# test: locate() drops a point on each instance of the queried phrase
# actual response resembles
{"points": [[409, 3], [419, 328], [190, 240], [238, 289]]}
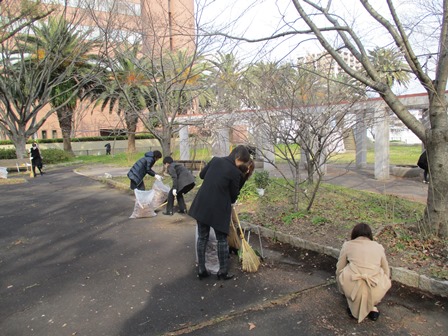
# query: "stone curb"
{"points": [[398, 274]]}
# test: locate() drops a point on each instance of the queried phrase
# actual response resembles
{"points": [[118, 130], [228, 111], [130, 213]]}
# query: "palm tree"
{"points": [[389, 62], [125, 89], [227, 74], [64, 43]]}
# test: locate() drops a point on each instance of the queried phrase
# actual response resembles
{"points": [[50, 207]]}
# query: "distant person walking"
{"points": [[423, 164], [362, 273], [212, 206], [36, 159], [183, 182], [107, 148], [142, 167]]}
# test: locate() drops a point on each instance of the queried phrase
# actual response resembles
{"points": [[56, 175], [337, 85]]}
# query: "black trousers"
{"points": [[37, 162], [140, 186], [223, 248], [179, 197]]}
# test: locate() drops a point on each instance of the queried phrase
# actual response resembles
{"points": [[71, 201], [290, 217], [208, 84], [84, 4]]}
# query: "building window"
{"points": [[54, 134], [44, 134]]}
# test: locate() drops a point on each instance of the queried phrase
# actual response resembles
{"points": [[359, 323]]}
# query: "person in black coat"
{"points": [[142, 167], [36, 159], [108, 148], [183, 182], [213, 203], [423, 164]]}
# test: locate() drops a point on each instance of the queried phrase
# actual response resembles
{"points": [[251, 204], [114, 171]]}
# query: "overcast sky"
{"points": [[262, 18]]}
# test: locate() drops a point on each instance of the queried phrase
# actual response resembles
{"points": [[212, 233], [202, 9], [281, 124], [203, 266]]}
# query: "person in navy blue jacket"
{"points": [[142, 167], [212, 206]]}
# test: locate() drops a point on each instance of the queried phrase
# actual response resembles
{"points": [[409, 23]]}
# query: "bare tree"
{"points": [[298, 111], [17, 15], [169, 61], [334, 29]]}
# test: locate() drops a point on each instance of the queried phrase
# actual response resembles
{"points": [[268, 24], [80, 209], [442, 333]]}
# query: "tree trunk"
{"points": [[165, 143], [436, 214], [20, 145], [65, 116], [131, 124]]}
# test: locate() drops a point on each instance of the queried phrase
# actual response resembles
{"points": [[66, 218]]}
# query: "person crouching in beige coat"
{"points": [[362, 273]]}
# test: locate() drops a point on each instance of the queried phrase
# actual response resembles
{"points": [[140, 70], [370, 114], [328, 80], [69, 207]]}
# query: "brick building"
{"points": [[159, 25]]}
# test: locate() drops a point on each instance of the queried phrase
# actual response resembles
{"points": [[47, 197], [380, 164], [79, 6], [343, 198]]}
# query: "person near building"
{"points": [[183, 182], [36, 159], [423, 164], [107, 148], [142, 167], [212, 206], [362, 273]]}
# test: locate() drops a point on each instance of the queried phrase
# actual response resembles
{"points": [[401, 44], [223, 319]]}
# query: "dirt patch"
{"points": [[404, 243]]}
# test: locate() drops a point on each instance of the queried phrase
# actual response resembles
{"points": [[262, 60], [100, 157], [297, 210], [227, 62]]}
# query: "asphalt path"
{"points": [[72, 262]]}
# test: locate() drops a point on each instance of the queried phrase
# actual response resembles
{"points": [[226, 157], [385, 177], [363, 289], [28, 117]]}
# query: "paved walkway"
{"points": [[73, 263]]}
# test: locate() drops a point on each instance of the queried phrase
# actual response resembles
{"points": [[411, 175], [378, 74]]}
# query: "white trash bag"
{"points": [[147, 201], [160, 193], [143, 204], [3, 173]]}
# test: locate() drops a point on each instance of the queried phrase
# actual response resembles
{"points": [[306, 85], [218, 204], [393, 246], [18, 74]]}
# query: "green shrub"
{"points": [[6, 154], [51, 156], [261, 179]]}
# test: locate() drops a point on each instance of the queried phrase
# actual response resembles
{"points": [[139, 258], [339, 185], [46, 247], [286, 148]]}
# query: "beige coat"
{"points": [[363, 275]]}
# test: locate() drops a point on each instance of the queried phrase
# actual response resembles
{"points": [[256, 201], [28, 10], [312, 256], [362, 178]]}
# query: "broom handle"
{"points": [[238, 221], [161, 205]]}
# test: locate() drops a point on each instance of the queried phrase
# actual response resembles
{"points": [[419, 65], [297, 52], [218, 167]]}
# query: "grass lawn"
{"points": [[399, 155]]}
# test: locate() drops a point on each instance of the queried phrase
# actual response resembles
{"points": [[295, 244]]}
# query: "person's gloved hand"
{"points": [[158, 177], [174, 192]]}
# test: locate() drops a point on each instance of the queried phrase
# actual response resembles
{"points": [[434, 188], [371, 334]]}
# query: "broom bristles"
{"points": [[233, 239], [250, 260]]}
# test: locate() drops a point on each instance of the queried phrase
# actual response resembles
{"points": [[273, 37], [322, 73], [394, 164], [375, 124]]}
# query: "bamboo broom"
{"points": [[233, 239], [250, 260]]}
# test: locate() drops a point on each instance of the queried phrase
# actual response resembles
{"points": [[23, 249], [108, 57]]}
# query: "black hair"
{"points": [[157, 154], [247, 169], [168, 159], [362, 230], [241, 153]]}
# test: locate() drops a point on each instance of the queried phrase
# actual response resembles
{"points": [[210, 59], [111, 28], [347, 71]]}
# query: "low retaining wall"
{"points": [[406, 171], [398, 274], [16, 165]]}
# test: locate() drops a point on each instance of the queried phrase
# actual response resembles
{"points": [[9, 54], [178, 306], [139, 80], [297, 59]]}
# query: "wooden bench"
{"points": [[192, 164], [16, 164]]}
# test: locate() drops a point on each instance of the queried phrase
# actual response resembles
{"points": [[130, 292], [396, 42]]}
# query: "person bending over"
{"points": [[142, 167]]}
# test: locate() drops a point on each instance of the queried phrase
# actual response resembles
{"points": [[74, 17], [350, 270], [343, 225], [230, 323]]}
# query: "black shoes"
{"points": [[182, 211], [168, 213], [224, 276], [373, 315], [203, 274]]}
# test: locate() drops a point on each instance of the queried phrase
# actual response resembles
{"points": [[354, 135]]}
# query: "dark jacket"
{"points": [[423, 161], [141, 168], [181, 176], [213, 202], [36, 159]]}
